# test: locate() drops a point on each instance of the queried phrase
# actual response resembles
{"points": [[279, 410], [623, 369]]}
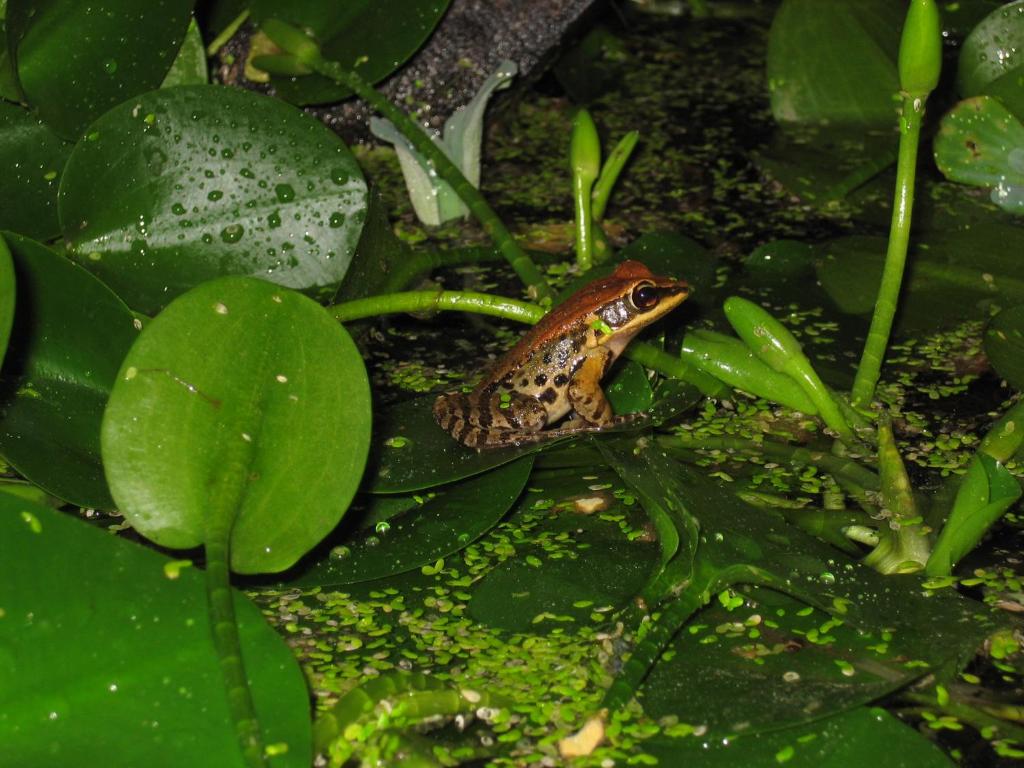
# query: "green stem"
{"points": [[677, 611], [225, 639], [229, 31], [895, 258], [581, 187], [520, 262]]}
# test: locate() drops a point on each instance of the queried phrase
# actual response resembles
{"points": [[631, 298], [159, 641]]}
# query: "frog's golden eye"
{"points": [[645, 296]]}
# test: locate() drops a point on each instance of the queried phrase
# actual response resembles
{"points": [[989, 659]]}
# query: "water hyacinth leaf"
{"points": [[981, 143], [582, 567], [360, 34], [443, 524], [77, 60], [986, 492], [954, 274], [992, 49], [834, 62], [1009, 90], [246, 382], [70, 335], [849, 738], [34, 157], [189, 66], [203, 181], [1004, 345], [629, 389], [138, 682]]}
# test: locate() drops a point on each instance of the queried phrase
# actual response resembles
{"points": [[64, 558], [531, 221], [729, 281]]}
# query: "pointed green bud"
{"points": [[920, 59], [585, 148]]}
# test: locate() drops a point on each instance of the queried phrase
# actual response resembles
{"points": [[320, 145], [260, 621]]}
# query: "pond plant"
{"points": [[740, 575]]}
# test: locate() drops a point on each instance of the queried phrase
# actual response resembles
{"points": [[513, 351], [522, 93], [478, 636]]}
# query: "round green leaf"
{"points": [[108, 657], [34, 157], [186, 184], [70, 335], [361, 34], [239, 382], [1004, 345], [76, 60], [992, 49], [834, 61]]}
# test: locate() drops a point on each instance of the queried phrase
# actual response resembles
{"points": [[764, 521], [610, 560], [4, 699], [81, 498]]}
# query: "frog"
{"points": [[554, 371]]}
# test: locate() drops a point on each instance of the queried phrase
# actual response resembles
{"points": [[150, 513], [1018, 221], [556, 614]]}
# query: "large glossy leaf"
{"points": [[33, 157], [848, 739], [1004, 345], [182, 185], [239, 383], [108, 657], [993, 49], [443, 524], [70, 335], [361, 34], [834, 61], [950, 276], [537, 593], [981, 142], [723, 676], [76, 60]]}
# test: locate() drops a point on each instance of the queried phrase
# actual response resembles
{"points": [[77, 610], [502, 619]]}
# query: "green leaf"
{"points": [[834, 61], [34, 157], [448, 522], [1004, 345], [189, 66], [629, 389], [76, 60], [70, 335], [980, 142], [109, 660], [360, 34], [951, 275], [847, 739], [992, 49], [987, 491], [204, 181], [539, 593], [239, 381]]}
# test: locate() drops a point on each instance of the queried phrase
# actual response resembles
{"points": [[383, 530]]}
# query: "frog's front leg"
{"points": [[585, 393]]}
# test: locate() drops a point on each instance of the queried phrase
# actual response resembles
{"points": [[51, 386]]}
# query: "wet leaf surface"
{"points": [[428, 531], [76, 60], [70, 334], [848, 739], [992, 49], [204, 181], [138, 681], [34, 157], [245, 384], [361, 34]]}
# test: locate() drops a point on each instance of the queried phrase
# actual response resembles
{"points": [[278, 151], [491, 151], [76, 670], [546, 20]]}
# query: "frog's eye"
{"points": [[644, 296]]}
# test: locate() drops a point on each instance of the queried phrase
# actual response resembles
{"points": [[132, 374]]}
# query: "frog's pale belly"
{"points": [[556, 368]]}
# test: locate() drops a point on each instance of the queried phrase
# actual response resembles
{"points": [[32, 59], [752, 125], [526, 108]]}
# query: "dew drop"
{"points": [[232, 233]]}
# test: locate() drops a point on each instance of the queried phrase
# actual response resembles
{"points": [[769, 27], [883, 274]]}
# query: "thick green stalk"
{"points": [[224, 627], [895, 258], [520, 262], [585, 162]]}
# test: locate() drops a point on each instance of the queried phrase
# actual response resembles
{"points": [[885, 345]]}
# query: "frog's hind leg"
{"points": [[591, 407], [488, 420]]}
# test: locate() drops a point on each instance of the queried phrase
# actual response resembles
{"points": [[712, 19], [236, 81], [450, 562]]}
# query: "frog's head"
{"points": [[630, 299]]}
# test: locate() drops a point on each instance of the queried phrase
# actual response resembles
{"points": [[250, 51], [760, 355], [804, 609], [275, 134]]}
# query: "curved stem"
{"points": [[225, 639], [676, 613], [425, 301], [520, 262], [227, 33], [895, 257]]}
